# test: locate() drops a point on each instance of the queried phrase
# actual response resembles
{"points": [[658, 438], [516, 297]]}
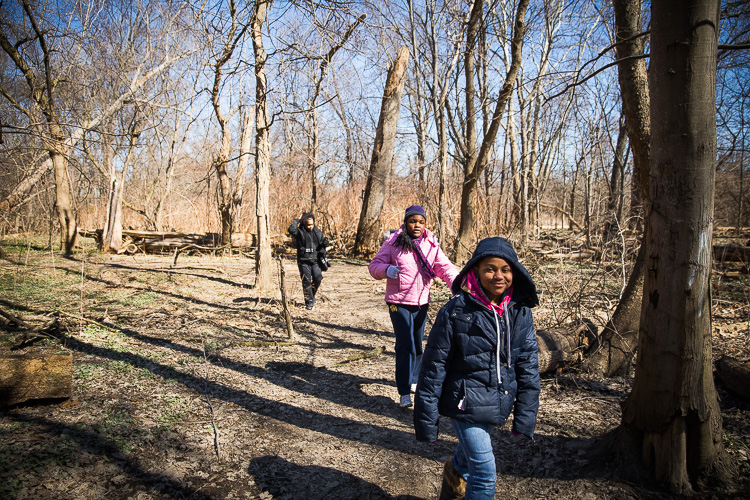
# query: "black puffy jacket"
{"points": [[459, 374], [311, 245]]}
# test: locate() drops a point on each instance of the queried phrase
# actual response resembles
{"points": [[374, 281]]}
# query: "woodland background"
{"points": [[152, 96]]}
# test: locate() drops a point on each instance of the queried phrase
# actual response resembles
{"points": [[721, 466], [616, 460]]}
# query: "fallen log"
{"points": [[735, 375], [161, 241], [731, 253], [560, 347], [33, 376]]}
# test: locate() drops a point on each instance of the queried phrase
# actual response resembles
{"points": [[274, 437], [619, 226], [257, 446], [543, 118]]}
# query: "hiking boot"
{"points": [[405, 401], [454, 486], [309, 307]]}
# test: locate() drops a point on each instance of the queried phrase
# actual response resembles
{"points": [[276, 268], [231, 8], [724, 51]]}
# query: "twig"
{"points": [[284, 301], [262, 343], [210, 406], [88, 320], [362, 355]]}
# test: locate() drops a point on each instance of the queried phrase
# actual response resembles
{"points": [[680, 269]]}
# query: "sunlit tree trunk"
{"points": [[263, 256], [112, 234], [381, 165], [246, 139], [673, 409]]}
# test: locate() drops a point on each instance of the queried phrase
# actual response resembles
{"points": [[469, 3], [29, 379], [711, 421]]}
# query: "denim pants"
{"points": [[408, 326], [475, 460], [311, 278]]}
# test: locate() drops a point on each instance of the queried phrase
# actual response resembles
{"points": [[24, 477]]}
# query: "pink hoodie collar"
{"points": [[476, 291]]}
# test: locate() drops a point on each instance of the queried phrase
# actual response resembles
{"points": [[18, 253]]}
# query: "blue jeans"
{"points": [[408, 326], [475, 460]]}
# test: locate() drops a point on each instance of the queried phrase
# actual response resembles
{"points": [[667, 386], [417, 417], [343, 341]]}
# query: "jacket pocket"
{"points": [[462, 402]]}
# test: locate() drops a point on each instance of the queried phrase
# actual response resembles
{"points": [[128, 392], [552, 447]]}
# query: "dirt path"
{"points": [[172, 401]]}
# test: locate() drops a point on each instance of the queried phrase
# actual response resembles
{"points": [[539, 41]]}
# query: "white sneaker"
{"points": [[405, 401], [413, 387]]}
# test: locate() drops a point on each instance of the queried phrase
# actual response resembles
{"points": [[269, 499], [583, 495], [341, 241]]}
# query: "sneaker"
{"points": [[309, 307], [405, 401], [413, 387]]}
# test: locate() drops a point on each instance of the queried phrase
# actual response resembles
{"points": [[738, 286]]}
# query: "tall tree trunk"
{"points": [[246, 139], [614, 201], [312, 159], [613, 350], [225, 190], [462, 247], [367, 237], [263, 256], [473, 171], [673, 408], [63, 204]]}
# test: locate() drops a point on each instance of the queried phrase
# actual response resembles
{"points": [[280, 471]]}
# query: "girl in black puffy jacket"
{"points": [[479, 365]]}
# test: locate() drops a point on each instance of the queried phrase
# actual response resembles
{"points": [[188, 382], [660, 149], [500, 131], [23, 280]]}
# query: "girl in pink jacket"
{"points": [[410, 259]]}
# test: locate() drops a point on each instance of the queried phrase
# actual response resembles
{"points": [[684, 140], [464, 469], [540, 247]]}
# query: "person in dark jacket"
{"points": [[311, 247], [481, 363]]}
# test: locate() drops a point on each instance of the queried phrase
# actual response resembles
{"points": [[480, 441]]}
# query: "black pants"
{"points": [[311, 277]]}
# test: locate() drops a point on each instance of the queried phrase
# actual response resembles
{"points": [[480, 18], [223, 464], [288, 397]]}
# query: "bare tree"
{"points": [[473, 167], [615, 347], [263, 256], [381, 164], [41, 84], [325, 61], [54, 64], [233, 35]]}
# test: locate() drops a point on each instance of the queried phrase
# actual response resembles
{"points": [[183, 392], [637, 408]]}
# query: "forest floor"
{"points": [[173, 396]]}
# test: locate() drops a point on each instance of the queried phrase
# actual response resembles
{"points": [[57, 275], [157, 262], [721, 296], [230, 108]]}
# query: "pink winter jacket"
{"points": [[411, 287]]}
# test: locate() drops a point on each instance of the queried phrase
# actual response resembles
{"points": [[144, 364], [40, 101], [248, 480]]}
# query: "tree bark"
{"points": [[263, 257], [673, 407], [381, 165]]}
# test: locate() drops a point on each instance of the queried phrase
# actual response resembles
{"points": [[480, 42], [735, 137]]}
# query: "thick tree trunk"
{"points": [[263, 257], [368, 229], [64, 203], [673, 406]]}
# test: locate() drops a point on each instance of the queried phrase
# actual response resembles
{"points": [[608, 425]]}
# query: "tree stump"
{"points": [[26, 377]]}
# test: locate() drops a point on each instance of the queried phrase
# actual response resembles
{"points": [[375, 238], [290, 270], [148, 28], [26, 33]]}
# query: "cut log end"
{"points": [[35, 376]]}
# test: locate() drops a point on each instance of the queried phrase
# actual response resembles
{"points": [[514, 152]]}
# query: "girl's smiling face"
{"points": [[496, 277], [415, 225]]}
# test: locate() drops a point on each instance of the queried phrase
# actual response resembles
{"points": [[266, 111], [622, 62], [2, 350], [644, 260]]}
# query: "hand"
{"points": [[392, 272]]}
